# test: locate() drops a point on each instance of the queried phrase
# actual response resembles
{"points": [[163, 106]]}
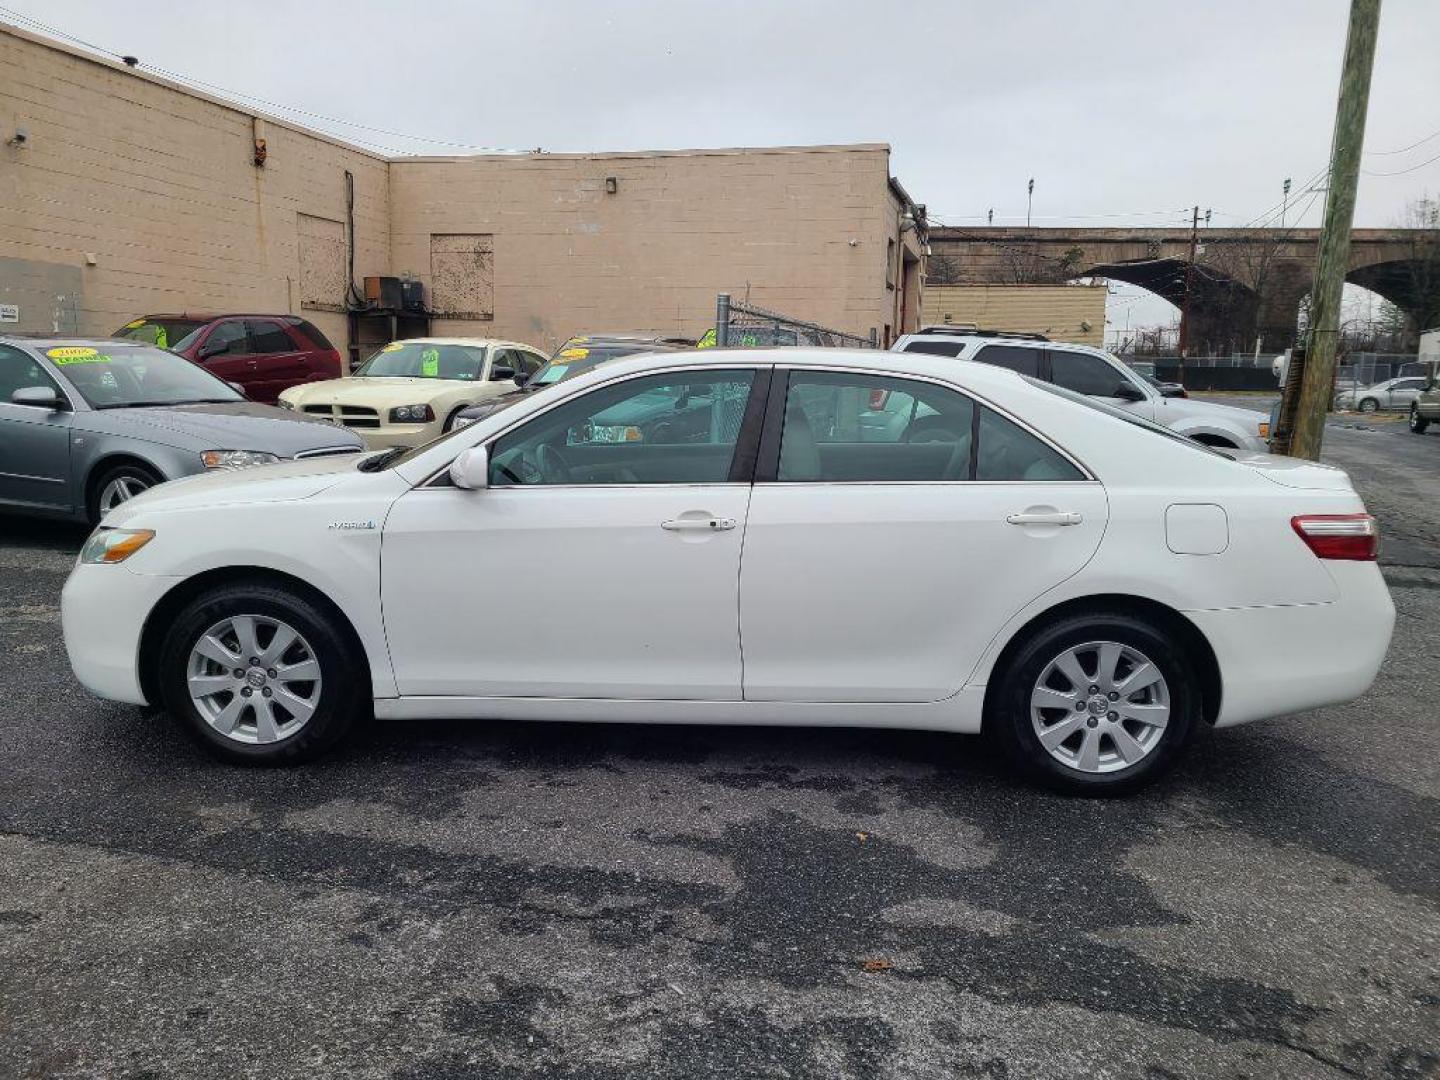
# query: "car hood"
{"points": [[380, 393], [238, 425], [287, 481], [493, 405], [1175, 408], [1296, 472]]}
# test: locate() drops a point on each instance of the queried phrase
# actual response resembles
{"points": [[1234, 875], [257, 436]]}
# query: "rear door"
{"points": [[277, 361], [895, 526]]}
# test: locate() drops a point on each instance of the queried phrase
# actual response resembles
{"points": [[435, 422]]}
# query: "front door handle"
{"points": [[1054, 517], [699, 524]]}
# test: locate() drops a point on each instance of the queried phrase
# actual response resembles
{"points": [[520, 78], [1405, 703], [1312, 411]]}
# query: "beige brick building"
{"points": [[1060, 312], [131, 195]]}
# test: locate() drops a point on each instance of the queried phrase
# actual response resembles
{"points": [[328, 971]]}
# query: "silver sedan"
{"points": [[87, 424]]}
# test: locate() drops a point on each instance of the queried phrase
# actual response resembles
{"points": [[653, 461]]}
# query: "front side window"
{"points": [[425, 360], [129, 376], [21, 371], [843, 427], [1019, 358], [670, 428], [1085, 373], [228, 339]]}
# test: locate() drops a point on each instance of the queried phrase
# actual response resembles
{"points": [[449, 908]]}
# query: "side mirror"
{"points": [[207, 350], [499, 373], [237, 388], [471, 469], [521, 378], [41, 397], [1129, 392]]}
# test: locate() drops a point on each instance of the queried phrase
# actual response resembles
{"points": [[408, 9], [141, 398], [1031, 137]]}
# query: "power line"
{"points": [[1403, 149], [242, 98], [1402, 172]]}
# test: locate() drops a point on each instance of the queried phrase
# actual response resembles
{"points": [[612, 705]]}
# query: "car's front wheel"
{"points": [[1369, 404], [1096, 704], [115, 486], [1418, 423], [261, 675]]}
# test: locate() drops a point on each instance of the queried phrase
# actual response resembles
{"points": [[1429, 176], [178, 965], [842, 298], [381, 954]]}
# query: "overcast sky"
{"points": [[1123, 112]]}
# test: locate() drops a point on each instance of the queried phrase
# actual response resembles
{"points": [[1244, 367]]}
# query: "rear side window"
{"points": [[936, 348], [268, 337], [1019, 358], [1084, 373], [311, 334], [1009, 452]]}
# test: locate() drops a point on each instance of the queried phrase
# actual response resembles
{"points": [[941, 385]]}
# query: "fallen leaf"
{"points": [[876, 964], [862, 836]]}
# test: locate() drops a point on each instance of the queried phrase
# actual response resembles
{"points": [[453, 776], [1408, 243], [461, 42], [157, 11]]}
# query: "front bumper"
{"points": [[102, 613], [1285, 659]]}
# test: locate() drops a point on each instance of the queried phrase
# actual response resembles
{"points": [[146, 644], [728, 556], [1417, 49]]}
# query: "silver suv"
{"points": [[1095, 373]]}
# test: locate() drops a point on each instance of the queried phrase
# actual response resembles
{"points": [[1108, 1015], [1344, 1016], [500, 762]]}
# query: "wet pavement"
{"points": [[488, 900]]}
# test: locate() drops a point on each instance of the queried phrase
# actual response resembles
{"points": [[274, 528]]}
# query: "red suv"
{"points": [[262, 354]]}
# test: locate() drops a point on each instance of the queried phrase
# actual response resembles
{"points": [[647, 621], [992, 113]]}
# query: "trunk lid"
{"points": [[1297, 472]]}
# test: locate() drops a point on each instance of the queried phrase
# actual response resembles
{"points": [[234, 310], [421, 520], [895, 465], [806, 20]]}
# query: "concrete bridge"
{"points": [[1246, 282]]}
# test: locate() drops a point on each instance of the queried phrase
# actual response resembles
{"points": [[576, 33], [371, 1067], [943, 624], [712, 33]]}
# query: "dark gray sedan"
{"points": [[86, 424]]}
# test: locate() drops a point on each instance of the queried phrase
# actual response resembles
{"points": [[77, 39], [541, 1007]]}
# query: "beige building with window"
{"points": [[125, 194]]}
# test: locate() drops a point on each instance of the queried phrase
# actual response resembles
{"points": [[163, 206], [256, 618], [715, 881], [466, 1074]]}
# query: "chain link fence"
{"points": [[748, 326]]}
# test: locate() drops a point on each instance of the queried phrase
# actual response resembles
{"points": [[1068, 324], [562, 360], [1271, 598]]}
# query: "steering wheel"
{"points": [[554, 469]]}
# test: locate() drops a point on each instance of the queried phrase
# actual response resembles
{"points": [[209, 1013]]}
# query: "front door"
{"points": [[225, 353], [34, 440], [602, 561], [893, 531], [278, 362]]}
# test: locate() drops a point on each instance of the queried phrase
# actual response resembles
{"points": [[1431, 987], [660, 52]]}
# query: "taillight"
{"points": [[1339, 536]]}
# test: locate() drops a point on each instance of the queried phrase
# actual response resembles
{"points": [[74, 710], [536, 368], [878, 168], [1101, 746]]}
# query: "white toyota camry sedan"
{"points": [[803, 536]]}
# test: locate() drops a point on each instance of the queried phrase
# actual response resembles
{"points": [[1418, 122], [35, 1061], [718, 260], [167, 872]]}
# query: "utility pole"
{"points": [[1189, 285], [1284, 201], [1029, 201], [1323, 332], [990, 217]]}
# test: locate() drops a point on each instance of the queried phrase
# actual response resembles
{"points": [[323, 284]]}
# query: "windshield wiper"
{"points": [[164, 404], [380, 460]]}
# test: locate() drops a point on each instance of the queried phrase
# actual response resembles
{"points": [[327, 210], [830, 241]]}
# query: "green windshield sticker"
{"points": [[162, 339], [430, 363]]}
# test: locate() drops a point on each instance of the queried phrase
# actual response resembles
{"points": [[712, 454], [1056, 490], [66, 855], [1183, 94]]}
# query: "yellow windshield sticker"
{"points": [[135, 325], [430, 363], [75, 354], [707, 341], [574, 354], [394, 346], [577, 341]]}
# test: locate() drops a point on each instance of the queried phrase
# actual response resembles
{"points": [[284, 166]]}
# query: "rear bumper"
{"points": [[102, 613], [1279, 660]]}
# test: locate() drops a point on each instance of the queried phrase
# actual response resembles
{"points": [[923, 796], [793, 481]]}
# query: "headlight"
{"points": [[463, 421], [411, 414], [236, 459], [114, 545]]}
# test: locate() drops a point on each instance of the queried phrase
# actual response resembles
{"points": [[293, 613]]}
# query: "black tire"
{"points": [[449, 424], [1418, 423], [344, 690], [137, 476], [1009, 721], [1368, 404]]}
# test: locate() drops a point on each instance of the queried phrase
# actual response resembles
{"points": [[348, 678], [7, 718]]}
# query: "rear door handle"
{"points": [[1058, 517], [705, 524]]}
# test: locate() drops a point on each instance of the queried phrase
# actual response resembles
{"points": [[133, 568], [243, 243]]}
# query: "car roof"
{"points": [[211, 317], [630, 339], [51, 341], [476, 342]]}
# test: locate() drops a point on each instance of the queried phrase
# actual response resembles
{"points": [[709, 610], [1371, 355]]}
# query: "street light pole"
{"points": [[1029, 201], [1284, 201], [1189, 284]]}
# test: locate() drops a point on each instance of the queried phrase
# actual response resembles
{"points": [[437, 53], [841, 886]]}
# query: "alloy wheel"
{"points": [[254, 679], [1100, 707], [119, 490]]}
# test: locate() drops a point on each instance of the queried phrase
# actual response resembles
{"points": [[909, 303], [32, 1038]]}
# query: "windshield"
{"points": [[1121, 414], [131, 375], [574, 360], [162, 330], [425, 360]]}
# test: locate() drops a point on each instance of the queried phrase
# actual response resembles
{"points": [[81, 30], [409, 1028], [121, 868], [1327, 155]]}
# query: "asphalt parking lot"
{"points": [[445, 900]]}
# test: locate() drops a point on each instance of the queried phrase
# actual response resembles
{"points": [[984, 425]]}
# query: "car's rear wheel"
{"points": [[260, 675], [115, 486], [1096, 704], [1369, 404], [1418, 423]]}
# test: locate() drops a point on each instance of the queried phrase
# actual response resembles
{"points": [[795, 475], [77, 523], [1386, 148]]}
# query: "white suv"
{"points": [[1096, 373]]}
